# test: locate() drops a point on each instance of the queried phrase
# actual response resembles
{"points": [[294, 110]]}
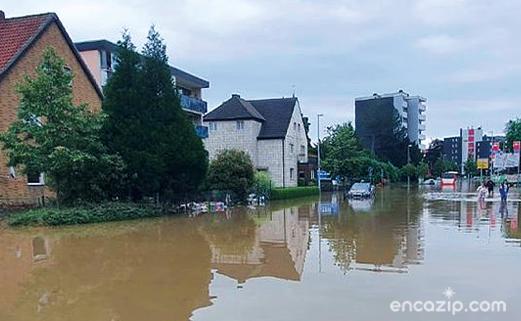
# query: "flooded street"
{"points": [[306, 259]]}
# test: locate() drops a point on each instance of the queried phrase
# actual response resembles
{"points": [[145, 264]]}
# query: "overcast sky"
{"points": [[464, 56]]}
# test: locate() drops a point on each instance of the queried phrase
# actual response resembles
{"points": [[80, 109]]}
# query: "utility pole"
{"points": [[318, 150], [408, 162]]}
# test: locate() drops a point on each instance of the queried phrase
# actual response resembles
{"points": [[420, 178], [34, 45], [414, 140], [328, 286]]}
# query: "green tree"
{"points": [[422, 170], [438, 167], [232, 170], [345, 157], [408, 170], [147, 125], [55, 137], [470, 168], [513, 132], [262, 183]]}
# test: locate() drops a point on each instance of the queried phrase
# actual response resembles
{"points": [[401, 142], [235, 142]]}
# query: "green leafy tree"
{"points": [[147, 126], [345, 157], [513, 132], [232, 170], [408, 170], [55, 137], [262, 183], [470, 168], [422, 170]]}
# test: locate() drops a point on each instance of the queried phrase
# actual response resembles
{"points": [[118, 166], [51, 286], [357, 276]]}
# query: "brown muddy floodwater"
{"points": [[307, 259]]}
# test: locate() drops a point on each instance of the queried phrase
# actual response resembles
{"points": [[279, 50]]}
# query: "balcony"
{"points": [[422, 117], [421, 127], [193, 104], [422, 106], [201, 131]]}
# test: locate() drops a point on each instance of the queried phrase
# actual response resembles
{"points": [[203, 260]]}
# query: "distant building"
{"points": [[100, 57], [452, 149], [470, 144], [22, 43], [271, 131], [411, 109]]}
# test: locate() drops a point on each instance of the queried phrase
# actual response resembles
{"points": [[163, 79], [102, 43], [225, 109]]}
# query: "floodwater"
{"points": [[308, 259]]}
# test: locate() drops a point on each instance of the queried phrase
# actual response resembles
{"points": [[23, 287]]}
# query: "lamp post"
{"points": [[318, 150], [408, 162]]}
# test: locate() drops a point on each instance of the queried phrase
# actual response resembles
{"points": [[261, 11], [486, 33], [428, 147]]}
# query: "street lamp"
{"points": [[318, 149], [408, 162]]}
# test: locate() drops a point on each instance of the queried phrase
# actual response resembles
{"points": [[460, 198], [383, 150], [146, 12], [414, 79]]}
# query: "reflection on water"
{"points": [[306, 259]]}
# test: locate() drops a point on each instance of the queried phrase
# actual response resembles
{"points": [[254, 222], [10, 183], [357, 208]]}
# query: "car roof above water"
{"points": [[361, 186]]}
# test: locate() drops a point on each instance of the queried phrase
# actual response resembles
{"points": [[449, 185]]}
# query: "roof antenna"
{"points": [[294, 88]]}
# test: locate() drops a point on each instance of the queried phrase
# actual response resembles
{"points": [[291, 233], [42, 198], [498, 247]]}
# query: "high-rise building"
{"points": [[411, 110]]}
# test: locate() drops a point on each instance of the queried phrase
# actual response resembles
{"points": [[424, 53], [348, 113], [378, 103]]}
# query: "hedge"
{"points": [[83, 214], [293, 192]]}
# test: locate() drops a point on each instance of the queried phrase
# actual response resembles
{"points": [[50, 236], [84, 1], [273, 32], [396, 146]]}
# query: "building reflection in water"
{"points": [[381, 235], [258, 244]]}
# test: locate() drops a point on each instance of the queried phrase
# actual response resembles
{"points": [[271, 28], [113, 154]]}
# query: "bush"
{"points": [[293, 192], [84, 214], [232, 170], [262, 183]]}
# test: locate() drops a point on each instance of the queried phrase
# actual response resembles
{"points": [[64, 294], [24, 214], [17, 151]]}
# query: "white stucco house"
{"points": [[271, 131]]}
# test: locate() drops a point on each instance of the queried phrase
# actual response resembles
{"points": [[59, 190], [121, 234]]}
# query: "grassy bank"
{"points": [[95, 213], [293, 192]]}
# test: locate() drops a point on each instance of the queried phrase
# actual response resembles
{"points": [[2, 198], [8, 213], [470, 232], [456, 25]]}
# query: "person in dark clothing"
{"points": [[490, 186], [503, 191]]}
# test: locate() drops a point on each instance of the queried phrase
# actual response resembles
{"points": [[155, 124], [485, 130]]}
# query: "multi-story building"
{"points": [[100, 57], [470, 144], [271, 131], [22, 43], [452, 149], [411, 110]]}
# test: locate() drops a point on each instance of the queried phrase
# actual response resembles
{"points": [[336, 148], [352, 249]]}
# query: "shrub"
{"points": [[262, 183], [232, 170], [84, 214], [293, 192]]}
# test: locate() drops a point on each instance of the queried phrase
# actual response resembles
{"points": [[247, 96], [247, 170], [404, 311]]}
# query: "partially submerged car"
{"points": [[361, 190]]}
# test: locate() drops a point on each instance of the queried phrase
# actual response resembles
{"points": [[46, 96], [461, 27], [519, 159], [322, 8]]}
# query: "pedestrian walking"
{"points": [[503, 190], [490, 187]]}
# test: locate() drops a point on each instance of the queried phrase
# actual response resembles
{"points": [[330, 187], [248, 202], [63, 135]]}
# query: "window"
{"points": [[35, 178], [298, 126], [291, 148], [291, 173], [294, 126], [302, 149], [240, 124], [212, 126]]}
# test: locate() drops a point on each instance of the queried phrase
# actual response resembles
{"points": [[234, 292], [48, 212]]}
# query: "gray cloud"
{"points": [[463, 55]]}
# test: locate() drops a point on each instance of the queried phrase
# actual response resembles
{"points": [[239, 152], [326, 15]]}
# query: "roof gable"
{"points": [[277, 113], [234, 108], [18, 34]]}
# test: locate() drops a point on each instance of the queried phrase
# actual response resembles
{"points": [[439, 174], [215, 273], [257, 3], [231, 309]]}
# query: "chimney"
{"points": [[236, 96], [2, 15]]}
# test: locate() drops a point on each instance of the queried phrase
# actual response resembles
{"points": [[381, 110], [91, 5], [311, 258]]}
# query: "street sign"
{"points": [[482, 163], [324, 175]]}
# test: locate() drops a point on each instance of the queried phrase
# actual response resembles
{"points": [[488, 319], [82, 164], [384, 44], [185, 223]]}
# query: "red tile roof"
{"points": [[17, 33]]}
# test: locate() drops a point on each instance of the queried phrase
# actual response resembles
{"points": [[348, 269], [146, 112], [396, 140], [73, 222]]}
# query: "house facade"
{"points": [[271, 131], [22, 43], [100, 57]]}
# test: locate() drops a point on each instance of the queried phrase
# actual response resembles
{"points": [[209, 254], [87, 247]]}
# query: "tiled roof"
{"points": [[275, 114], [18, 33], [234, 108]]}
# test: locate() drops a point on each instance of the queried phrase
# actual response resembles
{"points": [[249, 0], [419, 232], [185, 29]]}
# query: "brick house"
{"points": [[22, 42], [271, 131]]}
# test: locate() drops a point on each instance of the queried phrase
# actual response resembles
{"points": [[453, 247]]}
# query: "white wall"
{"points": [[226, 136]]}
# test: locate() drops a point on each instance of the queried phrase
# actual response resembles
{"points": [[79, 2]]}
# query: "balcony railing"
{"points": [[194, 104], [201, 131]]}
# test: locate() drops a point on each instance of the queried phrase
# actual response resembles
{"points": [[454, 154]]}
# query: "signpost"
{"points": [[482, 164]]}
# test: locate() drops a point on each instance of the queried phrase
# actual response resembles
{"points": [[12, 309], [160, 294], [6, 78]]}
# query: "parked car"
{"points": [[361, 190]]}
